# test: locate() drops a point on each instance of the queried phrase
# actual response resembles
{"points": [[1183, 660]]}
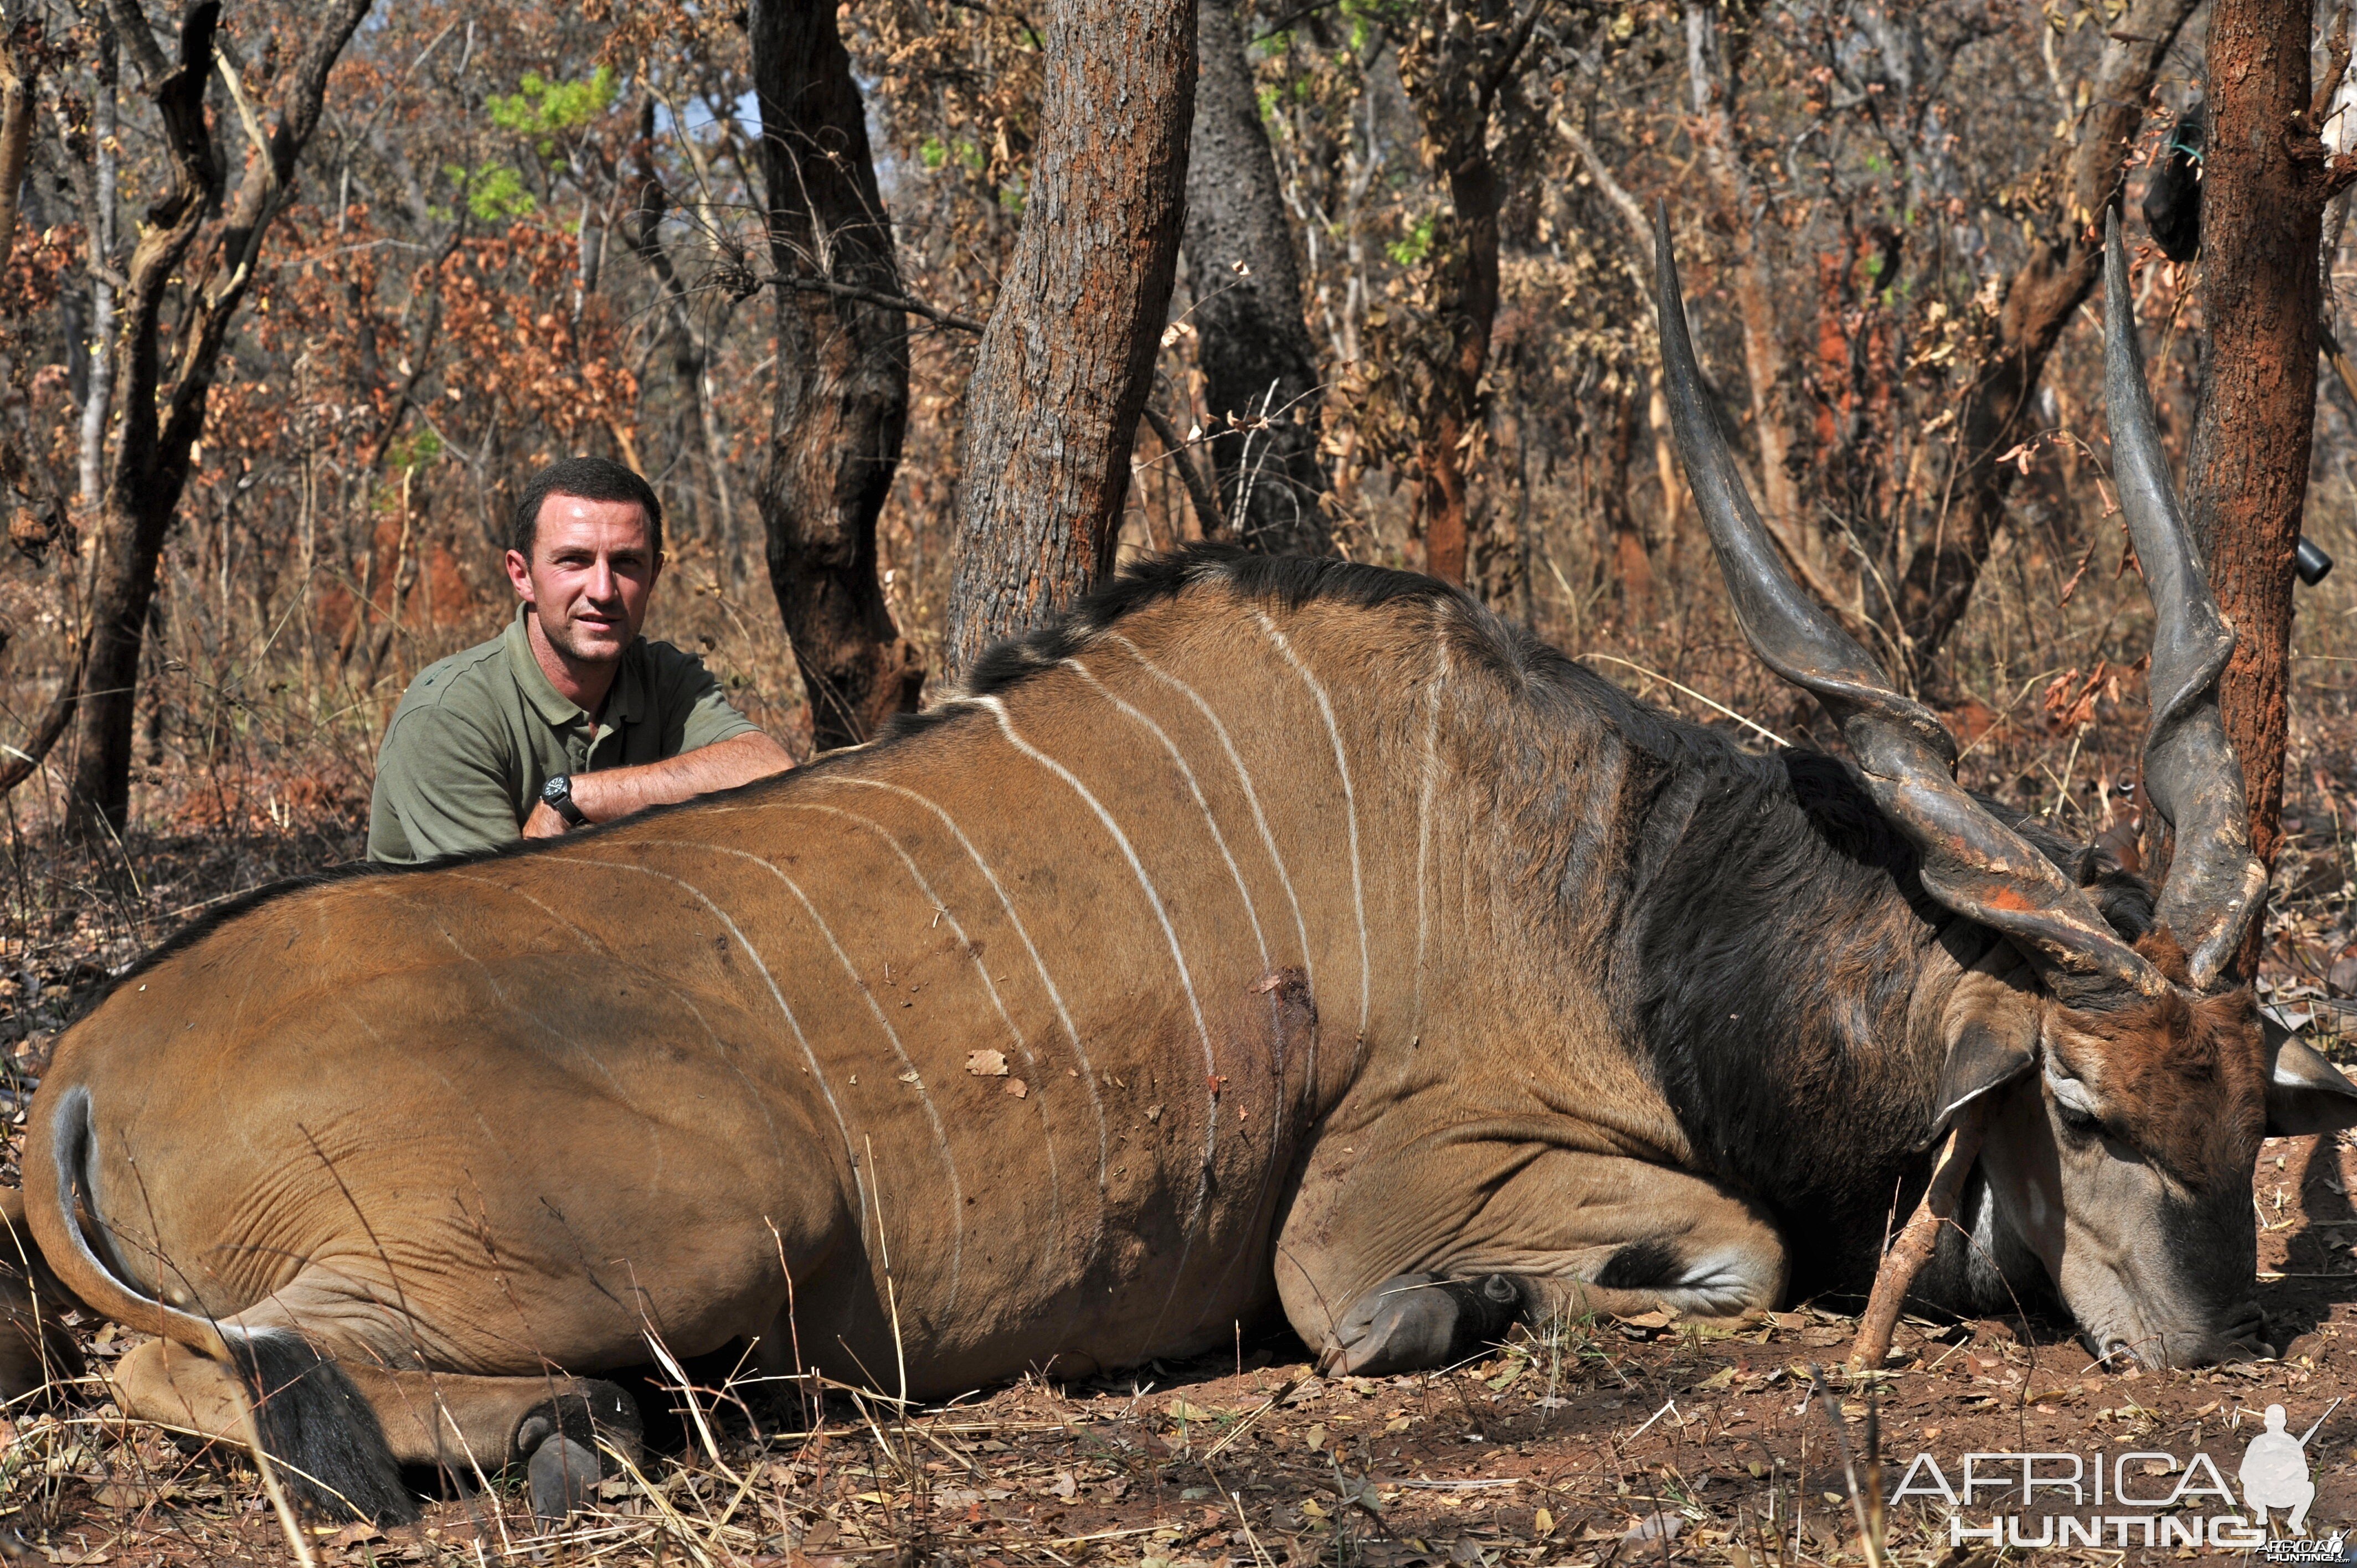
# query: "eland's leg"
{"points": [[1420, 1255], [563, 1430]]}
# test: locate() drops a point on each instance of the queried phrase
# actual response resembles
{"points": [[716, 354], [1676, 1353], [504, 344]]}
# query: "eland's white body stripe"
{"points": [[850, 1153], [924, 1096], [1350, 806]]}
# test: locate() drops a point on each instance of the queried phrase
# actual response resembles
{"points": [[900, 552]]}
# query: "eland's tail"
{"points": [[320, 1435]]}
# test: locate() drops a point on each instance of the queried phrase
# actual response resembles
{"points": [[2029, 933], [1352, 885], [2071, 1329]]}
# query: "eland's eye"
{"points": [[2073, 1104]]}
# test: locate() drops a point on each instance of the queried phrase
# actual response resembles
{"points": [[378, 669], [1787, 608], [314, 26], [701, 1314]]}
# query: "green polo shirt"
{"points": [[478, 733]]}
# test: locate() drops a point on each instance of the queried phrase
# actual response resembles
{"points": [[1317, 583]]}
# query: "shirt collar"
{"points": [[625, 704]]}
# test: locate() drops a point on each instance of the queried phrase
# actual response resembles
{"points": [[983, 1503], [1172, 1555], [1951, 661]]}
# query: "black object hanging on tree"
{"points": [[2172, 200], [2310, 561]]}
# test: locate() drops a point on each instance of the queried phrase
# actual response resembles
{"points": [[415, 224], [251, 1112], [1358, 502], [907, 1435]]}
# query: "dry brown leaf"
{"points": [[1016, 1087], [986, 1064]]}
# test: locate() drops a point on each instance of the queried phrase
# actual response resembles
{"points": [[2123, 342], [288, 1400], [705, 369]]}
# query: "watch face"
{"points": [[557, 787]]}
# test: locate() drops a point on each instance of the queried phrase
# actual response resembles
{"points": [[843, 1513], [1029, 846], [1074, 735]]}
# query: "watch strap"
{"points": [[558, 793]]}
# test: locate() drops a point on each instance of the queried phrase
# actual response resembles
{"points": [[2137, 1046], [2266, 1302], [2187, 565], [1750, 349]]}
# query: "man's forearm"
{"points": [[618, 791]]}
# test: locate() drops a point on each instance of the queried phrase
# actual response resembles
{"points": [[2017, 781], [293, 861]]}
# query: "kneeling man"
{"points": [[568, 718]]}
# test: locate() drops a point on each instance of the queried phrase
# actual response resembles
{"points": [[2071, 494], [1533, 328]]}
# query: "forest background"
{"points": [[297, 296]]}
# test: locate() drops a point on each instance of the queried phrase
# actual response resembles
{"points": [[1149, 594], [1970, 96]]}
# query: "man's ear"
{"points": [[1985, 1057], [2305, 1092]]}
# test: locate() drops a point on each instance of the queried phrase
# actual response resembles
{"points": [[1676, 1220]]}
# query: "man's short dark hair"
{"points": [[590, 480]]}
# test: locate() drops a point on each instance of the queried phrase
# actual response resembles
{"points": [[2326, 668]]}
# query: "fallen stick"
{"points": [[1912, 1248]]}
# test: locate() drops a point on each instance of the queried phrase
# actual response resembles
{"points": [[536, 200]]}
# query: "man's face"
{"points": [[591, 572]]}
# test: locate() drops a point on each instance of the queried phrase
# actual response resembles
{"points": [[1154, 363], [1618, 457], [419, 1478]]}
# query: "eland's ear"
{"points": [[1985, 1058], [2305, 1092]]}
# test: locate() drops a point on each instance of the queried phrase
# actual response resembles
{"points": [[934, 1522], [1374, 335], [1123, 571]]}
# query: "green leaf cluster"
{"points": [[545, 110], [495, 192], [419, 451], [1412, 248], [1365, 16], [934, 152]]}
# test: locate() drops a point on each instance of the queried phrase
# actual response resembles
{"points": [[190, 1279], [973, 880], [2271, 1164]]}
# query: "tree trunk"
{"points": [[1260, 371], [1470, 291], [843, 379], [15, 136], [1454, 66], [1068, 357], [2086, 173], [1632, 565], [2265, 186], [149, 466], [98, 397]]}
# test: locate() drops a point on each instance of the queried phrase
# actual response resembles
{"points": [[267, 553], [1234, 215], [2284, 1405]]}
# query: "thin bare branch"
{"points": [[889, 301], [1199, 494]]}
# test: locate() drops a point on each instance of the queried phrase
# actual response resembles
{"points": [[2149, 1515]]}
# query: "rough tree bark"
{"points": [[2265, 185], [19, 61], [2083, 175], [1454, 68], [1632, 565], [1068, 357], [161, 420], [34, 530], [16, 68], [843, 379], [1260, 371]]}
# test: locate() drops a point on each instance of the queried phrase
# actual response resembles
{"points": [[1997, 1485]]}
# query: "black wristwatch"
{"points": [[557, 796]]}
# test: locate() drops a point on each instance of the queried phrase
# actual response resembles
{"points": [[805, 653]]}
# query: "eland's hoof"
{"points": [[558, 1441], [563, 1478], [1420, 1320]]}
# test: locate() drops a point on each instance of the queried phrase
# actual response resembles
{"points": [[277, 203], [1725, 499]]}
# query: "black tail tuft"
{"points": [[324, 1437]]}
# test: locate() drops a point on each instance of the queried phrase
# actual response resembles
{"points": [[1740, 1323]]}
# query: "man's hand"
{"points": [[543, 823], [618, 791]]}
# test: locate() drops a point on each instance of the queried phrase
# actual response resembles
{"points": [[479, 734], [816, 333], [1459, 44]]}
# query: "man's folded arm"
{"points": [[614, 792], [716, 748]]}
